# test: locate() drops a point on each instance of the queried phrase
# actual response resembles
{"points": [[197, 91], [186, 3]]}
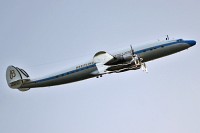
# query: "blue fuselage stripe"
{"points": [[65, 74], [94, 65]]}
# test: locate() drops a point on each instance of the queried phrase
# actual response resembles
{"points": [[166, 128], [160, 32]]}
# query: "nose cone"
{"points": [[191, 42]]}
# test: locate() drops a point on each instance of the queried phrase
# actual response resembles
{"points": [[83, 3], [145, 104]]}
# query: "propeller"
{"points": [[132, 50], [144, 67], [135, 57]]}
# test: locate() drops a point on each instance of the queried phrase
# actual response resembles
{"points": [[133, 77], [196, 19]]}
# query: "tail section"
{"points": [[16, 77]]}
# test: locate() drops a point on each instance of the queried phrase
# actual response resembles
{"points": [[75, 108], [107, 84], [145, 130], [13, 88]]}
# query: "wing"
{"points": [[102, 59], [106, 63]]}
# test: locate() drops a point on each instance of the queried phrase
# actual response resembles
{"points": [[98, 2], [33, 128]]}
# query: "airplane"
{"points": [[102, 63]]}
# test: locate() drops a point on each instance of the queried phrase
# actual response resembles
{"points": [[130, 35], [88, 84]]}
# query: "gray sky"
{"points": [[44, 36]]}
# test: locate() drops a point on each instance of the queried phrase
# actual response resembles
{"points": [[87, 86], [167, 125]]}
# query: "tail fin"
{"points": [[16, 77]]}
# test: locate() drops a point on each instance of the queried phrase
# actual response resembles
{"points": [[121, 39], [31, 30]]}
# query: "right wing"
{"points": [[100, 59], [107, 63], [103, 58]]}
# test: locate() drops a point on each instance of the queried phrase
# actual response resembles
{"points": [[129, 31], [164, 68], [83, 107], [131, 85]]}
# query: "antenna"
{"points": [[167, 37]]}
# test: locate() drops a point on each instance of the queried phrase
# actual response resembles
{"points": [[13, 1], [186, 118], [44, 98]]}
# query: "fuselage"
{"points": [[87, 70]]}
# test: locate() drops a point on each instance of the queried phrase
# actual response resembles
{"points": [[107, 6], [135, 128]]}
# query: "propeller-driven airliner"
{"points": [[102, 63]]}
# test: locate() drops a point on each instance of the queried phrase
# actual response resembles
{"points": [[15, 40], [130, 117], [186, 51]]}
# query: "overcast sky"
{"points": [[45, 36]]}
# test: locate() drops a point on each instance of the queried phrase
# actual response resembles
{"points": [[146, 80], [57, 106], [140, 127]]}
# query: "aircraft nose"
{"points": [[191, 42]]}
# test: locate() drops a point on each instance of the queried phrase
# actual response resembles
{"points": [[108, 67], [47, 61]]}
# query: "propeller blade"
{"points": [[132, 50], [144, 67]]}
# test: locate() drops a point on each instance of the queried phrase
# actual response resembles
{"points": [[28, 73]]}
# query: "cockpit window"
{"points": [[179, 40]]}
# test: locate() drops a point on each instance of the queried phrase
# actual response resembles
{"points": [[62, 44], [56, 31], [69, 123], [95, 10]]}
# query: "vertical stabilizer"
{"points": [[16, 77]]}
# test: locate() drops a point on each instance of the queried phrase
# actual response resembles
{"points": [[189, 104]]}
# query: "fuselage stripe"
{"points": [[94, 65]]}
